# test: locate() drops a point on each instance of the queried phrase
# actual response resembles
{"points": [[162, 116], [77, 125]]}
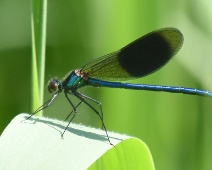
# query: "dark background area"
{"points": [[176, 127]]}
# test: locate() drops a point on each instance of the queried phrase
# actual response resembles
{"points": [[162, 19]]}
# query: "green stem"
{"points": [[38, 21]]}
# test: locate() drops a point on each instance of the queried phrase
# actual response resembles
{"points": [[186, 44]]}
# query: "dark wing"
{"points": [[139, 58]]}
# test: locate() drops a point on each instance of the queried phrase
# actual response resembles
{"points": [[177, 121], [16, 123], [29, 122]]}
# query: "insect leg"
{"points": [[82, 98]]}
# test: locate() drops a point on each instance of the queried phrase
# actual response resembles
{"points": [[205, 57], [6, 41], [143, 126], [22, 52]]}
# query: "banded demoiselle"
{"points": [[138, 59]]}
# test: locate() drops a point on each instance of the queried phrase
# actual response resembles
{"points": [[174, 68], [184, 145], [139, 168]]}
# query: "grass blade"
{"points": [[38, 23]]}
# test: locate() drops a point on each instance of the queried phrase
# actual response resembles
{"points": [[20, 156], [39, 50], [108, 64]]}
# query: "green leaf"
{"points": [[131, 153], [37, 144], [38, 21]]}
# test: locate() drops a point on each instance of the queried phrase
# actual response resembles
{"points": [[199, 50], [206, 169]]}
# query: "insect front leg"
{"points": [[44, 106]]}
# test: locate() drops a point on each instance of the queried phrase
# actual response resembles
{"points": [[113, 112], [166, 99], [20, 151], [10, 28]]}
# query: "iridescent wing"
{"points": [[139, 58]]}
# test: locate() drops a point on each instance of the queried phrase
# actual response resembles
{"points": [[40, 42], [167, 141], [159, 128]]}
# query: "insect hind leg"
{"points": [[82, 98], [95, 101]]}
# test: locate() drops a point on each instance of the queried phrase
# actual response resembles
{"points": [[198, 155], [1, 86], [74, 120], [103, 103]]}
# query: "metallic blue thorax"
{"points": [[73, 81]]}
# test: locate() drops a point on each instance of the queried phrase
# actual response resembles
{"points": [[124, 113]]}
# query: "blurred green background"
{"points": [[176, 127]]}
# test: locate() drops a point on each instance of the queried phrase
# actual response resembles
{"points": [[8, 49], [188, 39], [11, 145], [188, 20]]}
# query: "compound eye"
{"points": [[53, 85]]}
